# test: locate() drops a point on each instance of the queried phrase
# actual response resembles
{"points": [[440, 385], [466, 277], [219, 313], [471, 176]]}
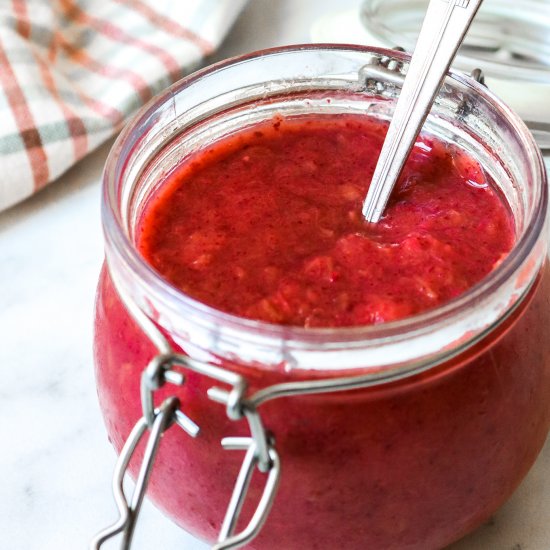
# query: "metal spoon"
{"points": [[442, 32]]}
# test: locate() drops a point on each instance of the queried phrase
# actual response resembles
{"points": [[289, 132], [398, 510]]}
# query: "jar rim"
{"points": [[125, 250]]}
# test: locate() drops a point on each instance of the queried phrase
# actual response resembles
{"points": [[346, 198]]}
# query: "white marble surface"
{"points": [[55, 460]]}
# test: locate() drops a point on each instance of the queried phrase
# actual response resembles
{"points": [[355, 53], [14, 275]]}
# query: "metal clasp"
{"points": [[380, 72], [226, 538], [158, 372], [129, 508], [260, 449]]}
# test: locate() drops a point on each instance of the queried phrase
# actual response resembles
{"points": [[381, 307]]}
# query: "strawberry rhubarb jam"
{"points": [[266, 225]]}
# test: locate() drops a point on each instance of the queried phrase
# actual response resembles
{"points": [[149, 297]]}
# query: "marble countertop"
{"points": [[56, 462]]}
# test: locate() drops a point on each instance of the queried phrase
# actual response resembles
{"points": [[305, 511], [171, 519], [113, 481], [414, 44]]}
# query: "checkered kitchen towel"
{"points": [[71, 71]]}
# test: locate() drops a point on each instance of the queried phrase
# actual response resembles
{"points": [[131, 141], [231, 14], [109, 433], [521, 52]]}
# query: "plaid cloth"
{"points": [[71, 71]]}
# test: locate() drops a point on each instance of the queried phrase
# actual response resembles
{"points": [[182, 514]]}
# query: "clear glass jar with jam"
{"points": [[407, 434]]}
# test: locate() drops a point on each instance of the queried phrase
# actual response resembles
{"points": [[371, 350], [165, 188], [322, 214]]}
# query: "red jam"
{"points": [[266, 224]]}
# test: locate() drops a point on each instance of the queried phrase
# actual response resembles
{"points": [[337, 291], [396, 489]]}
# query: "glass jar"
{"points": [[403, 435]]}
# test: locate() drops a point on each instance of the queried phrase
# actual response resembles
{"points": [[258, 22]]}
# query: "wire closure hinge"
{"points": [[259, 447], [383, 72], [159, 371], [380, 72]]}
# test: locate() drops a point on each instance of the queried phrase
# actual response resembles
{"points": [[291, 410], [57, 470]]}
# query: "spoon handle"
{"points": [[443, 30]]}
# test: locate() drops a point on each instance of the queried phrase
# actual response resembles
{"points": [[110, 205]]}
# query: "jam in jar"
{"points": [[232, 221]]}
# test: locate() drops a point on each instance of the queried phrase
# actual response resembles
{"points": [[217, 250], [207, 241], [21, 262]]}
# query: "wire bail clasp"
{"points": [[156, 421], [259, 447], [129, 507], [227, 539], [157, 373]]}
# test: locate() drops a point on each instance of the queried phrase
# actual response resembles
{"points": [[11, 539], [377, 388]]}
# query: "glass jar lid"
{"points": [[508, 40], [505, 36]]}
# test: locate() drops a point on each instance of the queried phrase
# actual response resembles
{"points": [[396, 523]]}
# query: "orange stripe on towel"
{"points": [[167, 24], [23, 23], [24, 120], [118, 34]]}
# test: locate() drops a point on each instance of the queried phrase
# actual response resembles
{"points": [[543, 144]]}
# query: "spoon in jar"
{"points": [[443, 30]]}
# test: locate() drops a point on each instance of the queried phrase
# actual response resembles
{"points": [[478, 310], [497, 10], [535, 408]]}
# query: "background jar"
{"points": [[454, 412]]}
